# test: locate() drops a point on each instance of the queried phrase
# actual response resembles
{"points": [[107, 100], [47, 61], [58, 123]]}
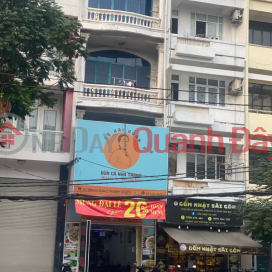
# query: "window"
{"points": [[174, 23], [175, 92], [260, 97], [32, 120], [137, 6], [206, 26], [260, 33], [205, 165], [115, 67], [207, 91]]}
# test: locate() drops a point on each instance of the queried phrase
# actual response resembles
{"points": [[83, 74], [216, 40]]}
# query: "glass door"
{"points": [[49, 128]]}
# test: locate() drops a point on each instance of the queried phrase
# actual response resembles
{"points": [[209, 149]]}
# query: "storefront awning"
{"points": [[233, 242]]}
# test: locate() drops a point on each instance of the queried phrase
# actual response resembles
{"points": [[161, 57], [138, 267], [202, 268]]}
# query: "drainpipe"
{"points": [[164, 60]]}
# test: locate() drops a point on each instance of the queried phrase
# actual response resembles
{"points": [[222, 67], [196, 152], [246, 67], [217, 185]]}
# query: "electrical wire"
{"points": [[75, 182], [152, 98], [82, 81], [121, 197]]}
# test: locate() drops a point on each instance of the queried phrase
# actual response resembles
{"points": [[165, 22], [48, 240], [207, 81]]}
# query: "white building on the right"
{"points": [[207, 75], [207, 50]]}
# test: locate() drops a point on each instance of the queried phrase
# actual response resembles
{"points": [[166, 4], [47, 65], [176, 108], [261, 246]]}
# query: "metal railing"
{"points": [[260, 111], [34, 140], [118, 16], [120, 92]]}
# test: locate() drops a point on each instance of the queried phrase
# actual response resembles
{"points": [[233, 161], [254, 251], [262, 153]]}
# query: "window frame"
{"points": [[147, 13], [174, 81], [206, 154], [137, 67], [259, 26], [174, 16], [219, 25], [207, 89], [261, 92]]}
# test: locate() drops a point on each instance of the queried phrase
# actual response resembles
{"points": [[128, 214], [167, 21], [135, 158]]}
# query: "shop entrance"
{"points": [[110, 248]]}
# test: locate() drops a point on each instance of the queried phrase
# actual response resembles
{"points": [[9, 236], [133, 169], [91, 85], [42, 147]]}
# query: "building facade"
{"points": [[198, 70]]}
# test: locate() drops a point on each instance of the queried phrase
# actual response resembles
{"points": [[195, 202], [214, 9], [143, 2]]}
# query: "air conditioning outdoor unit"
{"points": [[236, 16], [236, 87]]}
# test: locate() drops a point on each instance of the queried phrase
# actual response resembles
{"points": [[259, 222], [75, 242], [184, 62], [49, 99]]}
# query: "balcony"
{"points": [[117, 20], [115, 96], [199, 117], [33, 145], [216, 53]]}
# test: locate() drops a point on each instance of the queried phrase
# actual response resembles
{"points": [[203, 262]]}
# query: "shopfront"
{"points": [[115, 235], [204, 234]]}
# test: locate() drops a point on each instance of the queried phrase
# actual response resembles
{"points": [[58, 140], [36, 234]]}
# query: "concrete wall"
{"points": [[260, 58]]}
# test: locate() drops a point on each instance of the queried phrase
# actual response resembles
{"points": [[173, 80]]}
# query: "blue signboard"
{"points": [[121, 155]]}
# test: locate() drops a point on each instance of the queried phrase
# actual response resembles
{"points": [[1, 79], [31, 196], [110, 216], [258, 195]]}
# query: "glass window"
{"points": [[210, 94], [191, 80], [116, 74], [202, 81], [211, 166], [175, 77], [133, 5], [102, 73], [190, 165], [93, 3], [130, 73], [34, 118], [175, 88], [113, 67], [174, 26], [266, 38], [49, 126], [191, 93], [200, 95], [193, 28], [212, 82], [206, 165], [222, 97], [257, 36], [201, 17], [120, 4], [138, 6], [260, 33], [206, 26], [260, 97], [200, 166], [174, 12], [90, 72], [105, 4], [143, 78], [212, 19]]}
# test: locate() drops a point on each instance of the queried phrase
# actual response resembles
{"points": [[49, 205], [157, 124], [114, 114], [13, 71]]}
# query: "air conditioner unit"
{"points": [[236, 87], [236, 16]]}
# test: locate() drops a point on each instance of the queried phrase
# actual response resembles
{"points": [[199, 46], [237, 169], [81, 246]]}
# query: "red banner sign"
{"points": [[122, 208]]}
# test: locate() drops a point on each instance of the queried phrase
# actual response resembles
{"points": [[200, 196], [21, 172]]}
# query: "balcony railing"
{"points": [[260, 111], [34, 140], [120, 92], [124, 17]]}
